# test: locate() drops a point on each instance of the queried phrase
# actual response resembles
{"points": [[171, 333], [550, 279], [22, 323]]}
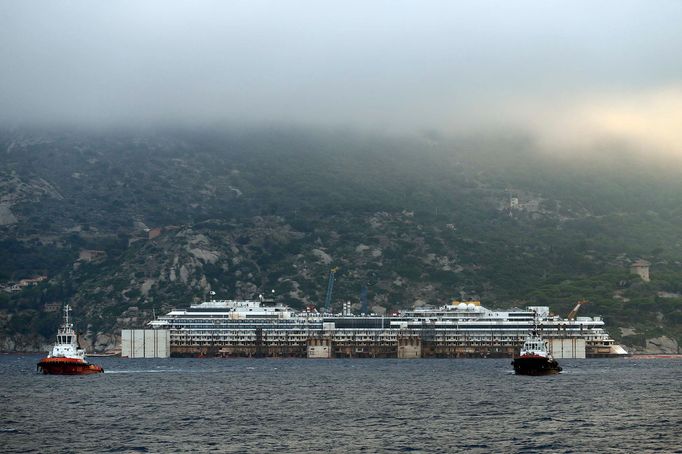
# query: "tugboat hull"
{"points": [[535, 365], [67, 366]]}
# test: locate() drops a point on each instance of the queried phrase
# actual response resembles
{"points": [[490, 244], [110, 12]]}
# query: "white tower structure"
{"points": [[641, 268]]}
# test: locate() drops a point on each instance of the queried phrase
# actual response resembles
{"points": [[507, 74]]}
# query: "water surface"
{"points": [[373, 405]]}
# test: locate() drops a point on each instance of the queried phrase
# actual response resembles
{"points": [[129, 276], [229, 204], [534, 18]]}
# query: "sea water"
{"points": [[339, 405]]}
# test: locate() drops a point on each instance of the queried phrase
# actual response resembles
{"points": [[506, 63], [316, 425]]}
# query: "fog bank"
{"points": [[572, 74]]}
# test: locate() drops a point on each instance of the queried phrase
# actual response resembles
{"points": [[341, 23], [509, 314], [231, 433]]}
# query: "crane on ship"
{"points": [[572, 314], [330, 289]]}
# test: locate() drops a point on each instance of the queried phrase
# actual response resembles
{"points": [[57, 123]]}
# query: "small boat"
{"points": [[534, 358], [66, 358]]}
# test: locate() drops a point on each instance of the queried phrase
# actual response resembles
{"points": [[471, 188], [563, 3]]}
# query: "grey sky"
{"points": [[390, 65]]}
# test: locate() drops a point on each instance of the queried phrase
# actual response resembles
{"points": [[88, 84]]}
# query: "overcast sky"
{"points": [[565, 71]]}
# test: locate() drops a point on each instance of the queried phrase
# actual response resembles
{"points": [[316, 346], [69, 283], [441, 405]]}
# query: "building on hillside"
{"points": [[52, 307], [641, 268], [90, 255], [11, 287], [31, 281], [153, 233]]}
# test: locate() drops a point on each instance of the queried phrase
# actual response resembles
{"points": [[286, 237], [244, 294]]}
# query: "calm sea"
{"points": [[380, 405]]}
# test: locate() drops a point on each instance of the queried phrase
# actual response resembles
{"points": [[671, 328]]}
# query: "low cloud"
{"points": [[648, 120], [574, 74]]}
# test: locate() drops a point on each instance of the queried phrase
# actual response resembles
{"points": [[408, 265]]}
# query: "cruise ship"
{"points": [[459, 329]]}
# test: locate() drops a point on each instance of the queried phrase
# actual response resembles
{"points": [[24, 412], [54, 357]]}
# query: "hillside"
{"points": [[125, 224]]}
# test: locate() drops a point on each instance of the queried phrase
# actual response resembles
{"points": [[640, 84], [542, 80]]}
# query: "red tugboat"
{"points": [[534, 359], [66, 358]]}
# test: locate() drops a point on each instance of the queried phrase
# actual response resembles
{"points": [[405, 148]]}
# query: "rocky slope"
{"points": [[126, 225]]}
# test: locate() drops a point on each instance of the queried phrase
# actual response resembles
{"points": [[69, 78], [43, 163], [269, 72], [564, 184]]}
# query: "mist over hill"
{"points": [[124, 224]]}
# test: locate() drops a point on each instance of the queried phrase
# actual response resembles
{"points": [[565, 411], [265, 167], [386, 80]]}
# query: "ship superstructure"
{"points": [[268, 328]]}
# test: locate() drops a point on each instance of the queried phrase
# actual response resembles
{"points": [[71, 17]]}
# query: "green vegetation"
{"points": [[250, 211]]}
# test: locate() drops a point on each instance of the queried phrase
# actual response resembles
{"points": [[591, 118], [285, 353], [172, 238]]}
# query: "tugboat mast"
{"points": [[67, 308]]}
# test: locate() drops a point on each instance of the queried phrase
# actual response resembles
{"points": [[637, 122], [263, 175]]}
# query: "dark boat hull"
{"points": [[67, 366], [535, 365]]}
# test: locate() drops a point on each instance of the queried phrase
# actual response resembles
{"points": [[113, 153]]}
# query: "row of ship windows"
{"points": [[341, 341], [376, 338], [357, 338], [221, 321], [283, 330], [351, 322], [366, 338]]}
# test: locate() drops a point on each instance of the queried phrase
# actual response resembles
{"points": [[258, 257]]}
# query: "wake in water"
{"points": [[143, 371]]}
